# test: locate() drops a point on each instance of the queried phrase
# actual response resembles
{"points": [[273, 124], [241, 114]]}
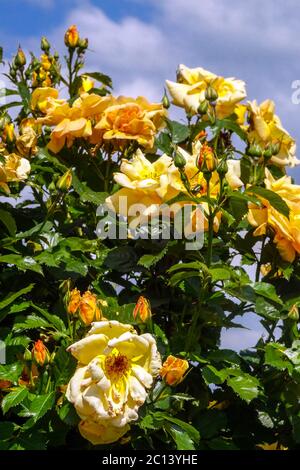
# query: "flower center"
{"points": [[116, 366]]}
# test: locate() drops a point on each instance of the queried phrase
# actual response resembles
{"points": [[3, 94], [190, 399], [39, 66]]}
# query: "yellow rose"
{"points": [[14, 168], [72, 37], [266, 128], [116, 367], [190, 88], [40, 98], [286, 230], [129, 119]]}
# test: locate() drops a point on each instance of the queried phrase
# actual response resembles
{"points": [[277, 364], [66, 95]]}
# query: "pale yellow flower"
{"points": [[266, 128], [40, 98], [14, 168], [189, 90], [116, 368]]}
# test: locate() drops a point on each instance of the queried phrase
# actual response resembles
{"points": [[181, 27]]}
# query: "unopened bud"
{"points": [[268, 152], [179, 160], [40, 353], [294, 313], [211, 94], [83, 43], [65, 181], [275, 148], [142, 310], [45, 45], [72, 37], [20, 59], [27, 355], [4, 120], [9, 133], [206, 160], [203, 107], [165, 101], [222, 168], [254, 150]]}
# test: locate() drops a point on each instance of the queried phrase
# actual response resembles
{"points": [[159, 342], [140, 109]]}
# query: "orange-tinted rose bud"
{"points": [[40, 353], [72, 37], [206, 160], [173, 370], [73, 301], [88, 309], [142, 310]]}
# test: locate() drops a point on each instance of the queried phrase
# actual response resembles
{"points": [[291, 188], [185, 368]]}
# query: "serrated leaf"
{"points": [[181, 438], [180, 132], [100, 77], [39, 407], [267, 290], [11, 372], [32, 322], [52, 319], [245, 386], [27, 263], [10, 298], [212, 375], [14, 398]]}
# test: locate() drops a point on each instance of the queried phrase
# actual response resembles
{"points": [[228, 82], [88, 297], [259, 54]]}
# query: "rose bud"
{"points": [[173, 370], [74, 299], [88, 309], [72, 37], [142, 310], [40, 353]]}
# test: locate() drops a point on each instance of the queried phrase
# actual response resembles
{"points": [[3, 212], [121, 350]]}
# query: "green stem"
{"points": [[259, 262]]}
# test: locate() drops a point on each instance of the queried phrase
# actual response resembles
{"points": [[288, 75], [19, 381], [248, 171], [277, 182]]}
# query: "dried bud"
{"points": [[40, 353], [45, 45], [211, 94], [20, 59], [173, 370], [72, 37], [142, 310], [179, 160], [203, 107], [65, 181]]}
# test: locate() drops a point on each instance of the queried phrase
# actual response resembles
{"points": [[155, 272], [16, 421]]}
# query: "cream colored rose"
{"points": [[233, 175], [116, 367], [189, 90], [14, 168]]}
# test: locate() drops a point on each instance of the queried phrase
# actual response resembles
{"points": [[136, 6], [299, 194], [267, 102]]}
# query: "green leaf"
{"points": [[150, 260], [39, 407], [179, 132], [164, 143], [52, 319], [100, 77], [224, 355], [86, 194], [14, 398], [230, 125], [11, 372], [212, 375], [188, 428], [14, 295], [267, 290], [275, 356], [220, 274], [266, 309], [7, 219], [32, 322], [24, 264], [181, 438], [7, 91], [274, 199], [245, 386]]}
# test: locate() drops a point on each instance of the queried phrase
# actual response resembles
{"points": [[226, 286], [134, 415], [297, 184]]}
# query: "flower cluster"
{"points": [[116, 367], [86, 306], [98, 119]]}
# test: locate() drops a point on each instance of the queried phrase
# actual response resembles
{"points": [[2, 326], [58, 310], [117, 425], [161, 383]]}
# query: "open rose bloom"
{"points": [[116, 368]]}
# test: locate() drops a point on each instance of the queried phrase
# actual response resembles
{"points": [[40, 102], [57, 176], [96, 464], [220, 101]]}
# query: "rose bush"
{"points": [[112, 330]]}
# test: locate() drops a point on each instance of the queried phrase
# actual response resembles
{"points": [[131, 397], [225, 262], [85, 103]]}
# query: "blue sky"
{"points": [[141, 42]]}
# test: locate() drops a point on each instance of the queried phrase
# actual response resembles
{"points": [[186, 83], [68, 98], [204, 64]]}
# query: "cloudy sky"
{"points": [[141, 42]]}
